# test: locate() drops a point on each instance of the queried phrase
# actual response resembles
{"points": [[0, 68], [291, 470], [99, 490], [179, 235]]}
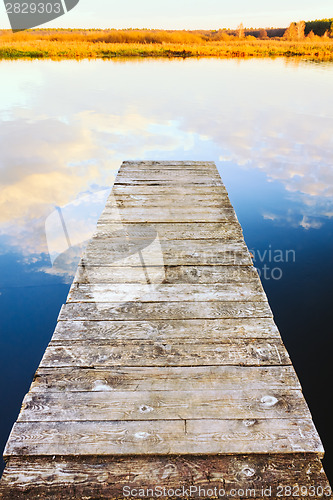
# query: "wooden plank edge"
{"points": [[110, 477]]}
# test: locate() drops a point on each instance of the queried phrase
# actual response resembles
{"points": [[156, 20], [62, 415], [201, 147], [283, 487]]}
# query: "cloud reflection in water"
{"points": [[66, 134]]}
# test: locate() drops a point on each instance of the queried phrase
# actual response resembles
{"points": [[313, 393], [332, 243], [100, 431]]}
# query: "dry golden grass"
{"points": [[153, 43]]}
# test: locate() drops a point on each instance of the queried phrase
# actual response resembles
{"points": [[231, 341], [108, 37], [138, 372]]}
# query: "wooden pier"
{"points": [[166, 369]]}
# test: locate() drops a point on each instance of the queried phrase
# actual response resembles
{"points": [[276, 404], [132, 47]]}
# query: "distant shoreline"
{"points": [[108, 44]]}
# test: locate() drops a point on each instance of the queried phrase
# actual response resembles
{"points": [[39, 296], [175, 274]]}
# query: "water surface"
{"points": [[67, 126]]}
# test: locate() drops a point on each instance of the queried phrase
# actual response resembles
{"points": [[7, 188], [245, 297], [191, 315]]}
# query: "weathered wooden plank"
{"points": [[158, 173], [206, 247], [254, 436], [168, 214], [163, 405], [154, 256], [179, 164], [171, 274], [197, 181], [168, 231], [208, 329], [91, 438], [164, 310], [185, 200], [167, 173], [110, 477], [167, 177], [252, 352], [165, 378], [206, 167], [99, 293], [145, 164], [206, 170], [164, 437], [170, 253], [167, 190]]}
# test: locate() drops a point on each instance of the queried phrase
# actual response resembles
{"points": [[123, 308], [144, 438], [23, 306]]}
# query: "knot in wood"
{"points": [[146, 409], [248, 472], [268, 400], [142, 435]]}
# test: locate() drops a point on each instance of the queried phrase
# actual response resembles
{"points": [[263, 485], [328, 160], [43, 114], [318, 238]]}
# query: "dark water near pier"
{"points": [[67, 126]]}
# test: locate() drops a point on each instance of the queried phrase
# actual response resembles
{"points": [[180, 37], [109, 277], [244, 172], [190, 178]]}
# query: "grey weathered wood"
{"points": [[151, 200], [163, 310], [169, 253], [166, 346], [105, 477], [186, 176], [126, 378], [208, 329], [167, 231], [168, 177], [197, 181], [251, 352], [198, 168], [168, 214], [204, 169], [164, 437], [170, 274], [163, 405], [146, 164], [167, 189], [66, 477], [254, 435], [164, 293]]}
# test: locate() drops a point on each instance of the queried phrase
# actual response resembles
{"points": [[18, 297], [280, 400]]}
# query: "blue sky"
{"points": [[186, 13]]}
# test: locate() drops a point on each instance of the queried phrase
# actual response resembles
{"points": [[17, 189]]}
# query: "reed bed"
{"points": [[80, 44]]}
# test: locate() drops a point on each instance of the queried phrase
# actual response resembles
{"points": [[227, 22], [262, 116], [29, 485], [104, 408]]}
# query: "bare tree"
{"points": [[240, 30], [300, 26]]}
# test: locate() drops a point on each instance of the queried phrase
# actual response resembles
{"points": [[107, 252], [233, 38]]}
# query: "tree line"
{"points": [[319, 27], [311, 29]]}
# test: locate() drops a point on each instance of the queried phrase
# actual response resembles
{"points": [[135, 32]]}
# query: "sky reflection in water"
{"points": [[67, 126]]}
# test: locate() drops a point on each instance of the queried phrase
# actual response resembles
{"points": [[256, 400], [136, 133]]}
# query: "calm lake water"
{"points": [[67, 126]]}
